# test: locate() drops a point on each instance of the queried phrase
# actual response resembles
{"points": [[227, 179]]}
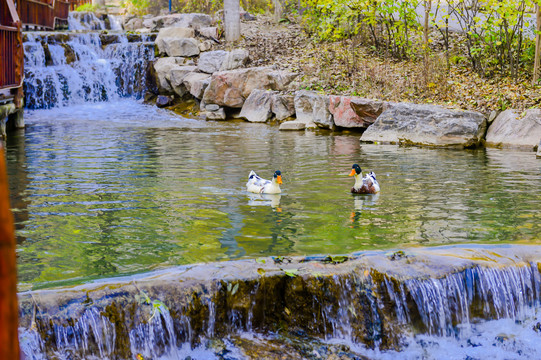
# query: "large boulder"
{"points": [[196, 83], [355, 112], [312, 109], [211, 61], [163, 67], [235, 59], [193, 20], [257, 107], [174, 33], [512, 128], [176, 77], [283, 106], [427, 125], [180, 46], [231, 88]]}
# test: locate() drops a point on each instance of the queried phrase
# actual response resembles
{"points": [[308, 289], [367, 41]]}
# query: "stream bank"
{"points": [[228, 82]]}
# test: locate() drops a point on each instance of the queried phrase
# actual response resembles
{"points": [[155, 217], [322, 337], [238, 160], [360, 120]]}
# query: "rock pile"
{"points": [[226, 82]]}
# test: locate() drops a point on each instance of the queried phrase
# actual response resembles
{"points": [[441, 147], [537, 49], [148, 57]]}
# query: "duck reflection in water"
{"points": [[365, 201], [272, 200]]}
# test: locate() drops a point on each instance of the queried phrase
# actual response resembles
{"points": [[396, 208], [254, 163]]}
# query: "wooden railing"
{"points": [[11, 47], [43, 13]]}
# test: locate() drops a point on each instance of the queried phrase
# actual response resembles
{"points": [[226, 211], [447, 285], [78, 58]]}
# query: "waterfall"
{"points": [[78, 21], [114, 23], [367, 310], [67, 69]]}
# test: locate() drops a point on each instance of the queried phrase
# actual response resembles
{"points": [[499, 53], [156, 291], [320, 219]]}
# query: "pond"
{"points": [[108, 189]]}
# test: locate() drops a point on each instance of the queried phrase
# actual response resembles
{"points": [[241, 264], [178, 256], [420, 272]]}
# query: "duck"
{"points": [[259, 185], [364, 185]]}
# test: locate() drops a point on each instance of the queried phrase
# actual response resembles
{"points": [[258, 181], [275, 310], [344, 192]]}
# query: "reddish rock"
{"points": [[230, 88], [355, 112]]}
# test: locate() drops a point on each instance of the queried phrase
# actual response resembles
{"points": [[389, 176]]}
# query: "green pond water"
{"points": [[121, 188]]}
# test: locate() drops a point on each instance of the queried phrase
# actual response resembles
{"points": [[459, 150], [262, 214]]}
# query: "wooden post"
{"points": [[535, 76], [278, 10], [232, 20], [9, 310]]}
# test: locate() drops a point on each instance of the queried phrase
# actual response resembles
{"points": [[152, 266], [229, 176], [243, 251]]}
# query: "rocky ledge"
{"points": [[370, 298], [427, 125]]}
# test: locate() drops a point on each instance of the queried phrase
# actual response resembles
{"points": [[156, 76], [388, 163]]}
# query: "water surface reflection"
{"points": [[117, 188]]}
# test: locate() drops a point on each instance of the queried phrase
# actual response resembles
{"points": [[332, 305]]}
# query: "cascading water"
{"points": [[460, 314], [68, 69], [78, 21]]}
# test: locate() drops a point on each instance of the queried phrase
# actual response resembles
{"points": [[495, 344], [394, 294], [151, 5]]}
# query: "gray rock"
{"points": [[246, 16], [205, 45], [257, 107], [427, 125], [216, 115], [180, 46], [493, 115], [174, 33], [163, 68], [313, 109], [283, 106], [211, 61], [538, 154], [209, 32], [235, 59], [212, 107], [193, 20], [281, 79], [132, 24], [230, 88], [196, 83], [176, 78], [164, 100], [292, 125], [513, 129]]}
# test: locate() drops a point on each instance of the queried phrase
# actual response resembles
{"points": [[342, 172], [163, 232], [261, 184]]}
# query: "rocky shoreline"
{"points": [[225, 86]]}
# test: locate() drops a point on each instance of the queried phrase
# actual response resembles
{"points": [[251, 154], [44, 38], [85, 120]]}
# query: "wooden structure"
{"points": [[11, 68], [45, 13], [11, 50], [9, 310]]}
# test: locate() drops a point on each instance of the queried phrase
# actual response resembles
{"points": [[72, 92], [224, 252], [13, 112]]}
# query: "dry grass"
{"points": [[349, 68]]}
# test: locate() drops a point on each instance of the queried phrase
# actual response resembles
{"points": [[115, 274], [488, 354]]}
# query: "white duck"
{"points": [[366, 185], [258, 185]]}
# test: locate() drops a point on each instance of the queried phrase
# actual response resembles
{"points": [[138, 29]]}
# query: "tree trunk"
{"points": [[9, 310], [428, 7], [232, 20], [537, 45]]}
